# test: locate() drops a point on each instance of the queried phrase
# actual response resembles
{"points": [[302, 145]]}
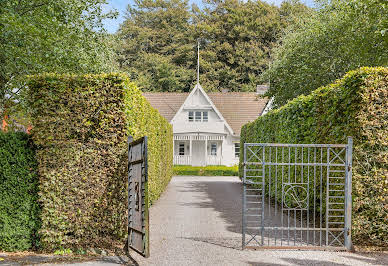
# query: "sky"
{"points": [[112, 25]]}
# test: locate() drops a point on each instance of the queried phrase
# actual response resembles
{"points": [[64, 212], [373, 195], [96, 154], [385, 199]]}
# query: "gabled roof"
{"points": [[199, 88], [237, 108]]}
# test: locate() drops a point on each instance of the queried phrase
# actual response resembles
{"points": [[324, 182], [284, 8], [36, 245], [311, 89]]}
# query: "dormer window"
{"points": [[198, 116], [204, 116]]}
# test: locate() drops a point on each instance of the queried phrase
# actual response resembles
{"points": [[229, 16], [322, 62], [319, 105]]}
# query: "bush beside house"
{"points": [[19, 209], [80, 127], [213, 170], [356, 105]]}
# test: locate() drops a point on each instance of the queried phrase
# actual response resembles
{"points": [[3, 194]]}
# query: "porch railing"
{"points": [[182, 159], [214, 160]]}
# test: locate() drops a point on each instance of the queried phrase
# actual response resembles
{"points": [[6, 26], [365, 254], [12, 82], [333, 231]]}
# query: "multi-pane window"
{"points": [[213, 149], [181, 149], [204, 116], [191, 116], [237, 150], [198, 116]]}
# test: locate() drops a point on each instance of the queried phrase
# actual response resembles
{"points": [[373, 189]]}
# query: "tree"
{"points": [[50, 36], [159, 39], [340, 36], [157, 46]]}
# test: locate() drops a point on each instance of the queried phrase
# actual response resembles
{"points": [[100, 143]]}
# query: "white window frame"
{"points": [[196, 117], [203, 116], [236, 154], [213, 152], [181, 145], [190, 116]]}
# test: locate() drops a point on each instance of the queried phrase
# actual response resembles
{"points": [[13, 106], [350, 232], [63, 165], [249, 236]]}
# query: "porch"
{"points": [[198, 149]]}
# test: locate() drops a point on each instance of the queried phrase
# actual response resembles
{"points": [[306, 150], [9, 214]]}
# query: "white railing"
{"points": [[182, 159], [214, 160]]}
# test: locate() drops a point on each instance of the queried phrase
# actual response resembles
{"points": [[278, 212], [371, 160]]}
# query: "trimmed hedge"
{"points": [[19, 209], [216, 170], [80, 126], [356, 105]]}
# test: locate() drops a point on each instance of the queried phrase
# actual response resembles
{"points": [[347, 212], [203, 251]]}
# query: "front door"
{"points": [[198, 153]]}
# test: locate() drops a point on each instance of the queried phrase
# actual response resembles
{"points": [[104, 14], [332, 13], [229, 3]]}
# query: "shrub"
{"points": [[80, 126], [19, 209], [356, 105], [214, 170]]}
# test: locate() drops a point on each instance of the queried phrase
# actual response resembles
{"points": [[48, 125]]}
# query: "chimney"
{"points": [[261, 89], [225, 90]]}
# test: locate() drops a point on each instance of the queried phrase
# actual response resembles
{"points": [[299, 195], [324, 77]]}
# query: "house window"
{"points": [[237, 150], [198, 116], [213, 149], [204, 116], [181, 149]]}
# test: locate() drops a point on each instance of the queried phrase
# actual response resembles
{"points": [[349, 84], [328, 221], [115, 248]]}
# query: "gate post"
{"points": [[348, 196], [243, 196]]}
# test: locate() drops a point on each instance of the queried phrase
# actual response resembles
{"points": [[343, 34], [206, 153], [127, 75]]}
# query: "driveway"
{"points": [[197, 221]]}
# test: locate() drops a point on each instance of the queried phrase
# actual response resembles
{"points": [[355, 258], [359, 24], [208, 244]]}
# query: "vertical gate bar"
{"points": [[320, 198], [308, 195], [301, 211], [263, 198], [315, 172], [129, 240], [348, 195], [269, 182], [276, 188], [269, 189], [289, 181], [327, 196], [146, 220], [282, 184], [295, 174], [243, 197]]}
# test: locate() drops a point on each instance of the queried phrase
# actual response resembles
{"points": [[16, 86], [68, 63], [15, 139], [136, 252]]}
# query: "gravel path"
{"points": [[197, 221]]}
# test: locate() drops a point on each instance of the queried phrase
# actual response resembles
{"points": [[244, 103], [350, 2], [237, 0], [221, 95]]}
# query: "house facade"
{"points": [[207, 126]]}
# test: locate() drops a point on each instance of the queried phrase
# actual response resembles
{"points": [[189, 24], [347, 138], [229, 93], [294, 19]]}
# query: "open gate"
{"points": [[297, 196], [138, 215]]}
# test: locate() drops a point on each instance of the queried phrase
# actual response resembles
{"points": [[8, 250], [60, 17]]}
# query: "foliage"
{"points": [[339, 37], [41, 35], [159, 42], [80, 126], [216, 170], [19, 209], [356, 105]]}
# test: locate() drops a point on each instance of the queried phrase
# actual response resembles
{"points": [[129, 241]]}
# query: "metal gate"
{"points": [[297, 196], [138, 221]]}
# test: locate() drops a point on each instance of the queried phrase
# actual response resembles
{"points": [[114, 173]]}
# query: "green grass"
{"points": [[214, 170]]}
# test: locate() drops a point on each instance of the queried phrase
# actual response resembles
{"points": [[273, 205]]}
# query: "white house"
{"points": [[207, 126]]}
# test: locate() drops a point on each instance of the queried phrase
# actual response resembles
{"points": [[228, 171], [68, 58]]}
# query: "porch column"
{"points": [[206, 151], [191, 151]]}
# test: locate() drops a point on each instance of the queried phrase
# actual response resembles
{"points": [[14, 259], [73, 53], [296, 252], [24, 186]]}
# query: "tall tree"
{"points": [[157, 46], [342, 35], [43, 36], [160, 38]]}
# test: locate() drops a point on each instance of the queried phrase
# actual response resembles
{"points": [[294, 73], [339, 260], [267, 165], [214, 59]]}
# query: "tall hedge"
{"points": [[80, 126], [19, 209], [356, 105]]}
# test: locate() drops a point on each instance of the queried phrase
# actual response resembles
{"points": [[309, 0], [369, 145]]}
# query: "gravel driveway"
{"points": [[197, 221]]}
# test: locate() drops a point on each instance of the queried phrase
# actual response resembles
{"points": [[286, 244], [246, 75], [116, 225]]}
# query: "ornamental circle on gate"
{"points": [[295, 196]]}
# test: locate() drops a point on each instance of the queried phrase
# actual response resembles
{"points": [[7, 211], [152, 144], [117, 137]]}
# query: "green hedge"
{"points": [[356, 105], [19, 209], [80, 126], [216, 170]]}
